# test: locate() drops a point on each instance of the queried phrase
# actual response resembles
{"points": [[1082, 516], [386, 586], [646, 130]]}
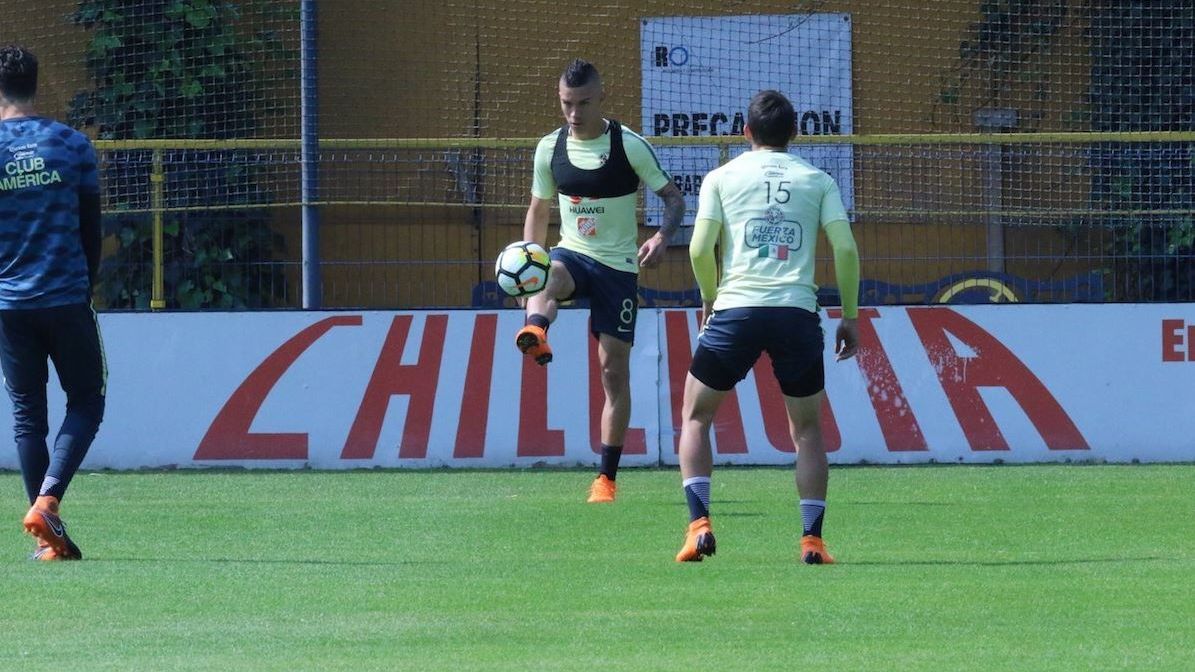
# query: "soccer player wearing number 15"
{"points": [[766, 206]]}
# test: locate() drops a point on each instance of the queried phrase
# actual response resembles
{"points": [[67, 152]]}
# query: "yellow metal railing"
{"points": [[158, 175], [157, 178], [1082, 137]]}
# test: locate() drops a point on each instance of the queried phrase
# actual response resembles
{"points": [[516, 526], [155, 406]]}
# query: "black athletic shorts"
{"points": [[733, 340], [613, 295]]}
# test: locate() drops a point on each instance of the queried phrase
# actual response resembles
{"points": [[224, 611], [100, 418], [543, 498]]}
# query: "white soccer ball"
{"points": [[522, 268]]}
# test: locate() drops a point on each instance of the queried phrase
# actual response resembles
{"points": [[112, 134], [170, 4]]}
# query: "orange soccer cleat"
{"points": [[43, 552], [813, 551], [602, 490], [43, 522], [533, 342], [699, 541]]}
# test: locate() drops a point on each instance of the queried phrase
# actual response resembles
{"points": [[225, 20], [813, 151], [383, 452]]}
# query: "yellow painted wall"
{"points": [[42, 28], [419, 81]]}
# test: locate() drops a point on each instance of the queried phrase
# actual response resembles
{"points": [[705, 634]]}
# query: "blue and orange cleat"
{"points": [[533, 342], [699, 541], [602, 490], [43, 522], [813, 551]]}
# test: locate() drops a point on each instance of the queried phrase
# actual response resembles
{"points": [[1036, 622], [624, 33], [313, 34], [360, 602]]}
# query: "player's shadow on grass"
{"points": [[998, 563], [852, 503], [273, 561], [717, 502], [720, 513]]}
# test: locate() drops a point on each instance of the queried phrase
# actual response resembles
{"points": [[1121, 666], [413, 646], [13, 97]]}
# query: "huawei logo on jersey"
{"points": [[576, 199]]}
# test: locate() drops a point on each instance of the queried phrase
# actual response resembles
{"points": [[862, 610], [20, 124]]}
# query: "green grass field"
{"points": [[941, 568]]}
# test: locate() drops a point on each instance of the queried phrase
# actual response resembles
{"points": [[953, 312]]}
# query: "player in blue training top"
{"points": [[767, 207], [49, 254]]}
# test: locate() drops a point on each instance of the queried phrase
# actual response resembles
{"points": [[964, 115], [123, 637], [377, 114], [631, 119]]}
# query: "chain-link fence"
{"points": [[1008, 151]]}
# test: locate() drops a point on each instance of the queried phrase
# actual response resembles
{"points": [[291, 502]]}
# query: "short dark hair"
{"points": [[771, 118], [18, 73], [579, 73]]}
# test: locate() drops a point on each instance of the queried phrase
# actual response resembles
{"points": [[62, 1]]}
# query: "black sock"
{"points": [[35, 459], [538, 320], [610, 457], [812, 512], [70, 447], [697, 493]]}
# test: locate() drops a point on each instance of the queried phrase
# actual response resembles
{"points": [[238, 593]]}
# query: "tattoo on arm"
{"points": [[674, 212]]}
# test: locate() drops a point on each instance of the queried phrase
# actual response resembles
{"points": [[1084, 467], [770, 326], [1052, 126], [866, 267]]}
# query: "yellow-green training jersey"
{"points": [[769, 205], [597, 183]]}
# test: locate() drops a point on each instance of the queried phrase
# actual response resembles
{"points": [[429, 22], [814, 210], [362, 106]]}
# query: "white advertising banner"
{"points": [[1008, 383], [363, 389], [1012, 383], [699, 73]]}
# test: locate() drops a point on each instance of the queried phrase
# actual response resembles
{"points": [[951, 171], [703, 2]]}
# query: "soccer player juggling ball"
{"points": [[766, 207], [593, 166], [49, 254]]}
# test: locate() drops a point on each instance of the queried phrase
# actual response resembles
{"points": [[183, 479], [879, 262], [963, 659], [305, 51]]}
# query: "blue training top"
{"points": [[44, 168]]}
